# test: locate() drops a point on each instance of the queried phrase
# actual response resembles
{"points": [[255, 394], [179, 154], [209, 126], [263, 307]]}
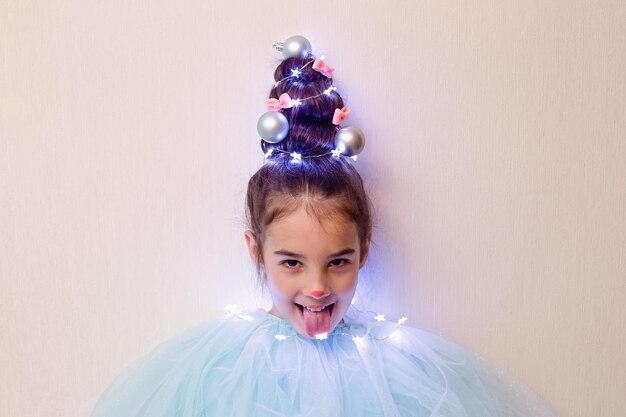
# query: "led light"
{"points": [[281, 337], [321, 336], [295, 157], [296, 102], [269, 153], [330, 89], [353, 300], [380, 317], [358, 339], [402, 320], [336, 153], [353, 157], [247, 318], [295, 72]]}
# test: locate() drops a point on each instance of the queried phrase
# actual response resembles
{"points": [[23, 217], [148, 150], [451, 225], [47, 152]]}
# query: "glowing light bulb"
{"points": [[295, 157], [281, 337], [380, 317], [330, 90]]}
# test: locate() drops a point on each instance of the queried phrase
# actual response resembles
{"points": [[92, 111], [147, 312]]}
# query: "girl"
{"points": [[312, 353]]}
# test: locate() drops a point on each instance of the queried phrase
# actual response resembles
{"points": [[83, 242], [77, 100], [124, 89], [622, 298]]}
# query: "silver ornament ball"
{"points": [[272, 126], [350, 139], [296, 46]]}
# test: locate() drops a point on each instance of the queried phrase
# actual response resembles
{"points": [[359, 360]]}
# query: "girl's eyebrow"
{"points": [[287, 253], [347, 251]]}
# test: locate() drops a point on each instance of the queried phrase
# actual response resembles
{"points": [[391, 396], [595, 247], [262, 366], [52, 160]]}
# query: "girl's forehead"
{"points": [[301, 226]]}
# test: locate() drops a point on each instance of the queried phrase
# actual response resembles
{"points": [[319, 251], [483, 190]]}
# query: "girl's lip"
{"points": [[315, 306], [331, 307]]}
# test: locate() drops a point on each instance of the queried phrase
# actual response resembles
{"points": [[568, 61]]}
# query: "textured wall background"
{"points": [[496, 159]]}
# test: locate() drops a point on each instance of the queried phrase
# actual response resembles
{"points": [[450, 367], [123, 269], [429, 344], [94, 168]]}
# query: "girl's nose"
{"points": [[318, 294]]}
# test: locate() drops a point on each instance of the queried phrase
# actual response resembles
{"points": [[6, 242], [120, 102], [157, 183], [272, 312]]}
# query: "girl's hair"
{"points": [[326, 186]]}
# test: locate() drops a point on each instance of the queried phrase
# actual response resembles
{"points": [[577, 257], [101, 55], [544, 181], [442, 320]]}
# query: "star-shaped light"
{"points": [[321, 336], [402, 320], [296, 101], [330, 89], [295, 72], [358, 339], [295, 157], [380, 317], [336, 153]]}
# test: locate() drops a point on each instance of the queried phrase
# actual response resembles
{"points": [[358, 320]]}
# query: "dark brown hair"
{"points": [[326, 186]]}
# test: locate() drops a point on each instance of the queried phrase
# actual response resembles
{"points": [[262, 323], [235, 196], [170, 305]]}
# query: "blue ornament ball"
{"points": [[296, 46], [273, 126], [350, 139]]}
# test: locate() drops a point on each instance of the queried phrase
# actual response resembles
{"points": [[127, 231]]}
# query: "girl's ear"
{"points": [[253, 249], [365, 250]]}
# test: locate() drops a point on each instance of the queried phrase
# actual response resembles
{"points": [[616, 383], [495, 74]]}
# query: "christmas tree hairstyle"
{"points": [[308, 159]]}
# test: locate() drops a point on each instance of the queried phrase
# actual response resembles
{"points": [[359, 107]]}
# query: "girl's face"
{"points": [[310, 265]]}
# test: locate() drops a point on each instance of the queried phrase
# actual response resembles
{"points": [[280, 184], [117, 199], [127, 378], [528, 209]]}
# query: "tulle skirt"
{"points": [[255, 364]]}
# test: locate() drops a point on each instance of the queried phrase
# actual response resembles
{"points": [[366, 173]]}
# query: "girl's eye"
{"points": [[291, 263], [339, 262]]}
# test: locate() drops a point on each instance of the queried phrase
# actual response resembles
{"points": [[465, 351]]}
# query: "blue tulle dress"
{"points": [[255, 364]]}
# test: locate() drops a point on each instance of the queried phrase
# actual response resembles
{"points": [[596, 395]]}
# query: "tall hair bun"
{"points": [[305, 109]]}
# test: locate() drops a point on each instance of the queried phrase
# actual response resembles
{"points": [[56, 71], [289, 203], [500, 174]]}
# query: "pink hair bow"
{"points": [[340, 115], [321, 67], [283, 102]]}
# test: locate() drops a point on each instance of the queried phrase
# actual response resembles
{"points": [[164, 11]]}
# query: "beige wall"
{"points": [[496, 159]]}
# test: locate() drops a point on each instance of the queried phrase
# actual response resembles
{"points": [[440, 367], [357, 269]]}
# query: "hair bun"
{"points": [[304, 94]]}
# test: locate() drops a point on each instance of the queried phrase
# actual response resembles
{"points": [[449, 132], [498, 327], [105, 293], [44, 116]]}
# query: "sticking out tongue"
{"points": [[316, 322]]}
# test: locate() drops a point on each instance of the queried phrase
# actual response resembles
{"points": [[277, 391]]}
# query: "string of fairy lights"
{"points": [[234, 310], [273, 126]]}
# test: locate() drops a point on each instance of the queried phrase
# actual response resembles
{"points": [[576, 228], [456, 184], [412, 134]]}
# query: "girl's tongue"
{"points": [[316, 322]]}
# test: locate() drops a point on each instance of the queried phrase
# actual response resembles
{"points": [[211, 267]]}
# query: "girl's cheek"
{"points": [[344, 283]]}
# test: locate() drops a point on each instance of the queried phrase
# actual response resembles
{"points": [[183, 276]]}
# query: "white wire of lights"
{"points": [[295, 156], [359, 340]]}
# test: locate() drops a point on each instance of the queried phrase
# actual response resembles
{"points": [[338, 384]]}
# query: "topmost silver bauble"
{"points": [[296, 46]]}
